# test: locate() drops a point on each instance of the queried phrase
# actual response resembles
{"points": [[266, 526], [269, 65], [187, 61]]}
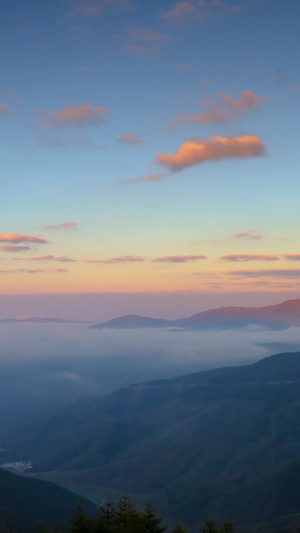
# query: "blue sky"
{"points": [[89, 91]]}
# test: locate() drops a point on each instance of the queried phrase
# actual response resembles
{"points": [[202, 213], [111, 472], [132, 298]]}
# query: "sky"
{"points": [[150, 148]]}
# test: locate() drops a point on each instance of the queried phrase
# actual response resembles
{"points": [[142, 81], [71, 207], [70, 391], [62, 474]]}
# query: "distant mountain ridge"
{"points": [[41, 320], [279, 316]]}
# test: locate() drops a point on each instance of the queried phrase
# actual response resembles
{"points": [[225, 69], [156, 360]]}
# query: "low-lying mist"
{"points": [[45, 365]]}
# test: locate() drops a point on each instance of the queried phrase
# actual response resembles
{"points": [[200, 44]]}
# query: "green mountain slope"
{"points": [[223, 443]]}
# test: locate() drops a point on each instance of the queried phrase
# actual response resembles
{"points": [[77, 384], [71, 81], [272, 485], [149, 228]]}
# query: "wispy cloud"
{"points": [[197, 151], [237, 258], [31, 271], [12, 248], [129, 138], [292, 257], [155, 177], [179, 258], [189, 11], [16, 238], [252, 234], [276, 273], [72, 116], [145, 41], [5, 111], [65, 259], [117, 260], [94, 8], [246, 102], [63, 225]]}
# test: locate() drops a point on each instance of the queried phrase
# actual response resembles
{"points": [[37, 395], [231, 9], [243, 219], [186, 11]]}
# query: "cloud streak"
{"points": [[246, 102], [16, 238], [179, 258], [64, 225], [117, 260], [12, 248], [252, 234], [75, 116], [5, 111], [276, 273], [197, 151], [129, 138], [238, 258]]}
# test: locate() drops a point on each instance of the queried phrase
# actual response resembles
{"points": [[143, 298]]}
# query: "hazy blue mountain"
{"points": [[39, 320], [280, 316], [221, 443], [26, 503]]}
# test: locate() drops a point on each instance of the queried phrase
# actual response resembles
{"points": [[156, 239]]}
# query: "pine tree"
{"points": [[107, 517], [128, 518], [80, 522], [210, 527], [179, 528], [227, 527], [152, 522]]}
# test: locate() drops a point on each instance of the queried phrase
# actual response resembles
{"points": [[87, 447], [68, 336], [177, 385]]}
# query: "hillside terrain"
{"points": [[280, 316], [27, 503], [221, 443]]}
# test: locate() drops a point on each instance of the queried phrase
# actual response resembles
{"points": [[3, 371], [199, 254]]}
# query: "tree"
{"points": [[128, 518], [107, 517], [179, 528], [152, 522], [210, 527], [80, 522], [227, 527]]}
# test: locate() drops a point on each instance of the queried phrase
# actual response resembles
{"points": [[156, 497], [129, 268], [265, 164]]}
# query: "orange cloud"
{"points": [[64, 225], [16, 238], [292, 257], [12, 248], [129, 138], [65, 259], [4, 110], [247, 102], [43, 258], [179, 258], [251, 234], [156, 177], [215, 116], [196, 151], [114, 260], [248, 257], [71, 116]]}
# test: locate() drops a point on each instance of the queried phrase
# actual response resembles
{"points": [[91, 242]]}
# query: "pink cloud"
{"points": [[93, 8], [31, 271], [248, 257], [276, 273], [129, 138], [197, 10], [64, 225], [4, 110], [179, 258], [65, 259], [197, 151], [215, 116], [184, 66], [43, 258], [247, 102], [147, 35], [114, 260], [71, 116], [141, 50], [156, 177], [292, 257], [16, 238], [251, 234], [12, 248]]}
